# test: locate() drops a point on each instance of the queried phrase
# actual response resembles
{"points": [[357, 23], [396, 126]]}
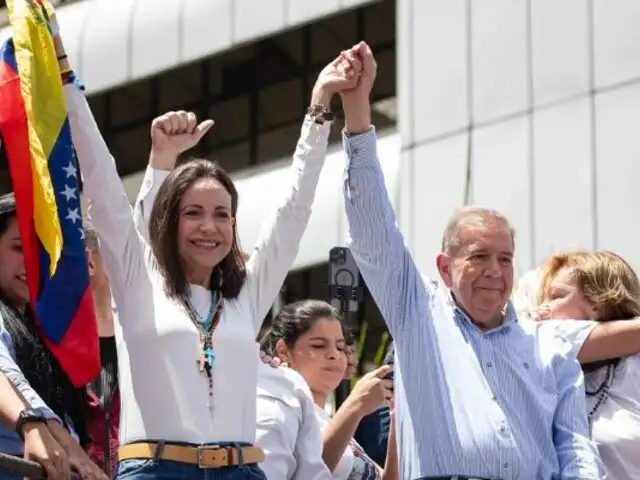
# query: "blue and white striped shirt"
{"points": [[506, 404]]}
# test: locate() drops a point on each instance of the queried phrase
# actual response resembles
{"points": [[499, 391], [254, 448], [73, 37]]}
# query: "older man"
{"points": [[479, 394]]}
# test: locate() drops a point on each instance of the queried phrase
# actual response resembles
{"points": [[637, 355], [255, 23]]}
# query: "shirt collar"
{"points": [[509, 312]]}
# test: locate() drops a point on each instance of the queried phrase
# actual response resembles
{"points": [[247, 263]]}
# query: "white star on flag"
{"points": [[73, 215], [70, 170], [81, 233], [69, 193]]}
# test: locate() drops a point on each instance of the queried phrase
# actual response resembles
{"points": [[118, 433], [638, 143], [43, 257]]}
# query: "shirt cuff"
{"points": [[153, 176], [152, 180], [361, 149], [319, 130], [49, 415]]}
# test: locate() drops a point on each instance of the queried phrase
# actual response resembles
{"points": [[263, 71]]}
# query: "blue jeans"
{"points": [[148, 469]]}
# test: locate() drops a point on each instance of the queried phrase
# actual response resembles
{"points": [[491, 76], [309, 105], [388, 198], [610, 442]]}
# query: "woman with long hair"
{"points": [[286, 426], [601, 289], [189, 306], [26, 360]]}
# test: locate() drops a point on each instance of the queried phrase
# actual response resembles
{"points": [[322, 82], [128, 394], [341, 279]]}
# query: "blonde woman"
{"points": [[601, 288]]}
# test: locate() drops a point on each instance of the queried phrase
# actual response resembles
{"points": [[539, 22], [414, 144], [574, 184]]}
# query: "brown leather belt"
{"points": [[205, 456]]}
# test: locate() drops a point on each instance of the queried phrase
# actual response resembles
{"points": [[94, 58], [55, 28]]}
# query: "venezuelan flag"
{"points": [[37, 140]]}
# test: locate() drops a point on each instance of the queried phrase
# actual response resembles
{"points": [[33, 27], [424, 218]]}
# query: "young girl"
{"points": [[308, 337]]}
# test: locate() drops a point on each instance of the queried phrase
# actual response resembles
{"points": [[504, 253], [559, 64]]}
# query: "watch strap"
{"points": [[29, 415]]}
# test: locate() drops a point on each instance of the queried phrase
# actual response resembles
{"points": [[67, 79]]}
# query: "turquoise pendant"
{"points": [[209, 357]]}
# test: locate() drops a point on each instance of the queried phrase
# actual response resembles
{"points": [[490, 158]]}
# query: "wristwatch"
{"points": [[29, 415], [320, 114]]}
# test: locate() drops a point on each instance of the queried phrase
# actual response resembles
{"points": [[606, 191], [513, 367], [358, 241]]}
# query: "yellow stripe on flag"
{"points": [[46, 112]]}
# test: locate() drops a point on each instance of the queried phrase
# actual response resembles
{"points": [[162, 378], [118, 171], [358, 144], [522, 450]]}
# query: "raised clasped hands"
{"points": [[361, 55], [355, 101], [341, 74]]}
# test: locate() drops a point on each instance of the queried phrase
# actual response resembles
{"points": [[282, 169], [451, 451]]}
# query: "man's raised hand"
{"points": [[355, 101]]}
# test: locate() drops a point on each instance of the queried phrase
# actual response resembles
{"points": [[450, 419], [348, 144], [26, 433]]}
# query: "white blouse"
{"points": [[164, 396], [287, 429], [616, 423]]}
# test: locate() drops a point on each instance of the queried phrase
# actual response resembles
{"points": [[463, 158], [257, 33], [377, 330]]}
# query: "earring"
{"points": [[275, 362]]}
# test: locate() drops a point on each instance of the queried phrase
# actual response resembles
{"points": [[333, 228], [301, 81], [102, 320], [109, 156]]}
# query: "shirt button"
{"points": [[356, 151], [506, 465], [526, 365], [503, 430], [489, 364], [494, 398]]}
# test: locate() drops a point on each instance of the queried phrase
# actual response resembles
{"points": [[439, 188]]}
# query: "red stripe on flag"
{"points": [[16, 143], [80, 342], [78, 349]]}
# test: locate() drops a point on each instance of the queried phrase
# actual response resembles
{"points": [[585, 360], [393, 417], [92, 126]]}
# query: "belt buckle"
{"points": [[203, 448]]}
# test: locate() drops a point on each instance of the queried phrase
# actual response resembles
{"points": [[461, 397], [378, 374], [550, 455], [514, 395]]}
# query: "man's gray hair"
{"points": [[470, 216]]}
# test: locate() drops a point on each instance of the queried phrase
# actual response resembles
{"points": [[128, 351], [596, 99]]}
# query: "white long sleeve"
{"points": [[164, 396], [287, 429]]}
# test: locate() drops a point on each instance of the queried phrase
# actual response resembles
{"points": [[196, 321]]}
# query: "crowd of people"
{"points": [[485, 382]]}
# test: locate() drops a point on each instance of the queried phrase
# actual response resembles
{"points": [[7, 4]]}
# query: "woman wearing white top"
{"points": [[287, 429], [308, 337], [188, 396], [602, 287]]}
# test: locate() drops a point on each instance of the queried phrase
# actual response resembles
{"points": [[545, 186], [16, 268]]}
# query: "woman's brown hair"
{"points": [[605, 279], [163, 229]]}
